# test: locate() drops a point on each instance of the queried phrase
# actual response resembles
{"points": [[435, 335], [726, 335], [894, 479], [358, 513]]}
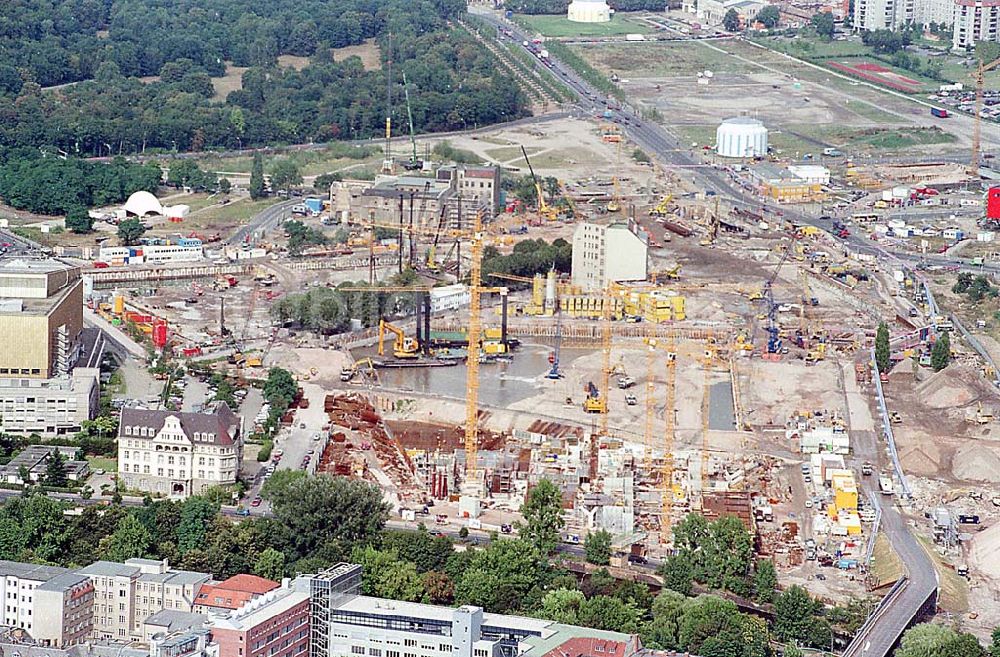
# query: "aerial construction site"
{"points": [[661, 317]]}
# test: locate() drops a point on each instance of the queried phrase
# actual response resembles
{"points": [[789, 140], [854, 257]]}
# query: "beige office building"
{"points": [[41, 317], [602, 254], [127, 594]]}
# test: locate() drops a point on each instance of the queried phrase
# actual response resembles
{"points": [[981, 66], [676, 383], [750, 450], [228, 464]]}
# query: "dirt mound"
{"points": [[977, 463], [951, 387], [922, 461], [985, 552]]}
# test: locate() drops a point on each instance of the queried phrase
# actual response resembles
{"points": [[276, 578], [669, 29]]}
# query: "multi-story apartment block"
{"points": [[179, 454], [602, 254], [18, 582], [127, 594], [221, 598], [275, 624], [64, 611], [975, 20]]}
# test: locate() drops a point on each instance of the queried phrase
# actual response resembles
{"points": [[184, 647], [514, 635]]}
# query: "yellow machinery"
{"points": [[977, 114], [403, 347], [663, 208], [472, 363], [817, 353], [672, 274], [596, 403], [614, 205], [713, 227], [544, 210]]}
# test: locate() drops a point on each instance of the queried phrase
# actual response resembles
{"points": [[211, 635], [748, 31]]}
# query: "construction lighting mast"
{"points": [[388, 166], [414, 163]]}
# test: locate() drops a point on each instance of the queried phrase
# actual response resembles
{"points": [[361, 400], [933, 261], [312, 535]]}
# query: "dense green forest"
{"points": [[106, 44]]}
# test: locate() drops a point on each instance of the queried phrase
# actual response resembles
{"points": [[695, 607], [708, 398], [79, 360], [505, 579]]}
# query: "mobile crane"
{"points": [[414, 162], [544, 210]]}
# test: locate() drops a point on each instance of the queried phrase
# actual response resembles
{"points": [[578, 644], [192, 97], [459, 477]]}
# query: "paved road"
{"points": [[264, 221], [655, 140]]}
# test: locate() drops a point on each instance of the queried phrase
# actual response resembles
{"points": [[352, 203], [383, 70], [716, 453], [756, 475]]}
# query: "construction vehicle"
{"points": [[544, 210], [672, 274], [631, 400], [983, 417], [662, 208], [713, 227], [350, 371], [977, 112], [866, 468], [594, 403], [895, 418], [414, 162], [625, 382], [615, 204], [816, 354], [554, 372], [403, 347]]}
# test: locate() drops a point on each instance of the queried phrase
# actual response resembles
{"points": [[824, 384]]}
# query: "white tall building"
{"points": [[179, 454], [602, 254], [975, 20], [892, 14]]}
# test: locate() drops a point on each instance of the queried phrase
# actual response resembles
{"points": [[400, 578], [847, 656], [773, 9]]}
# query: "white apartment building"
{"points": [[975, 20], [18, 582], [891, 14], [179, 454], [127, 594], [602, 254]]}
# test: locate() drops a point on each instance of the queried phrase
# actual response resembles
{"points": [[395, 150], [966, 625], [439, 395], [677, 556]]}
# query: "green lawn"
{"points": [[560, 26], [100, 463], [662, 59]]}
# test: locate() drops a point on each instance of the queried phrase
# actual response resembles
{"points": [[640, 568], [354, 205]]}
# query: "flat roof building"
{"points": [[602, 254], [41, 317]]}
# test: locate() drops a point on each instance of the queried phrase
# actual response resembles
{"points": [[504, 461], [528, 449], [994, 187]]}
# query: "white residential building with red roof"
{"points": [[177, 454]]}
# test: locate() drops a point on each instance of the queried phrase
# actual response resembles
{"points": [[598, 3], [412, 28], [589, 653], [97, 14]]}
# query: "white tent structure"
{"points": [[589, 11], [142, 203]]}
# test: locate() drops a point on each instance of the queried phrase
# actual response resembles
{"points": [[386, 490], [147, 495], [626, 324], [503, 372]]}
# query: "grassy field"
{"points": [[887, 139], [367, 52], [510, 153], [231, 81], [311, 163], [560, 26], [954, 590], [100, 463], [887, 567], [660, 59]]}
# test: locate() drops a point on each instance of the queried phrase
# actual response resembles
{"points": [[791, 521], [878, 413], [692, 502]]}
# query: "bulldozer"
{"points": [[403, 347], [816, 354]]}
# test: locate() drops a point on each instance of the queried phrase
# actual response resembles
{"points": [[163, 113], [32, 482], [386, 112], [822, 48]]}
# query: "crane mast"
{"points": [[472, 359]]}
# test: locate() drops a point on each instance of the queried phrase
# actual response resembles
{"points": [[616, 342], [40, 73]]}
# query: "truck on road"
{"points": [[939, 112], [885, 484]]}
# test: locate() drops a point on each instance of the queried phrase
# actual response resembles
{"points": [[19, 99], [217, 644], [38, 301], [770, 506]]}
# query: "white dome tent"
{"points": [[589, 11], [741, 136], [142, 203]]}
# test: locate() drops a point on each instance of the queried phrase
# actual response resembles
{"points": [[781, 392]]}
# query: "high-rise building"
{"points": [[975, 20], [602, 254]]}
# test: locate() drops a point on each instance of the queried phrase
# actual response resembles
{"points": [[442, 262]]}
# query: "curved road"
{"points": [[885, 628]]}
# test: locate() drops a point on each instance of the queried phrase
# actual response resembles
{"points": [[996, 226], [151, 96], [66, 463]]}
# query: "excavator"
{"points": [[403, 347], [348, 372]]}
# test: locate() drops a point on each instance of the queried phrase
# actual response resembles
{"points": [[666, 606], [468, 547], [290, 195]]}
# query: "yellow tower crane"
{"points": [[977, 114], [666, 483], [472, 360], [708, 358]]}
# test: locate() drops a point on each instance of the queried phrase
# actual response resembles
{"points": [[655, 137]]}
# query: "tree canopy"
{"points": [[104, 48]]}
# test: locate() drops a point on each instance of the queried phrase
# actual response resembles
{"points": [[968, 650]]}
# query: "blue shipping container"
{"points": [[314, 204]]}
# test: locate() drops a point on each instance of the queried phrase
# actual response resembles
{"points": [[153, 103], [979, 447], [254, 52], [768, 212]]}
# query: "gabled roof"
{"points": [[221, 423], [234, 592]]}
